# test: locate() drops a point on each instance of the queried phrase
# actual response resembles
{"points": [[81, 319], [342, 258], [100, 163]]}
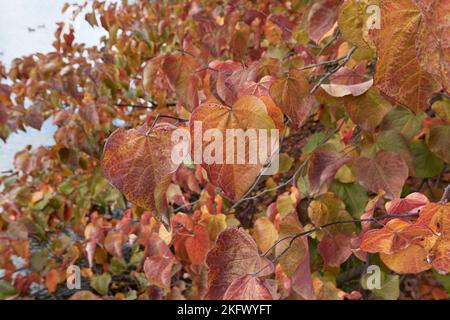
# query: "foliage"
{"points": [[364, 115]]}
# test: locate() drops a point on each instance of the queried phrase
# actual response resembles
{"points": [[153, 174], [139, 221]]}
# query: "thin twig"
{"points": [[324, 63], [158, 116], [445, 195], [319, 228], [334, 38], [333, 70]]}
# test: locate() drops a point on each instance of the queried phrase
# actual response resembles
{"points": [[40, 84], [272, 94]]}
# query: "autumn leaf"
{"points": [[397, 235], [411, 203], [138, 163], [180, 70], [437, 218], [197, 245], [323, 165], [386, 171], [247, 113], [264, 233], [114, 242], [439, 143], [51, 280], [432, 42], [234, 255], [398, 73], [322, 17], [248, 287], [413, 259], [367, 110], [328, 208], [335, 250], [158, 265], [353, 21], [290, 252], [291, 94]]}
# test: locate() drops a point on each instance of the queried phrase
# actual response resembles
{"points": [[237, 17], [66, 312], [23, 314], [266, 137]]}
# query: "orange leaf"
{"points": [[198, 245], [292, 95], [398, 73], [138, 163], [412, 203], [248, 112]]}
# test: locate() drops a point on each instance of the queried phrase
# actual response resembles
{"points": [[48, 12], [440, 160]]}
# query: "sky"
{"points": [[16, 17]]}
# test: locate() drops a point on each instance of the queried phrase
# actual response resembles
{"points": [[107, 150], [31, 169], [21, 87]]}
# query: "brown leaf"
{"points": [[367, 110], [387, 171], [433, 41], [322, 17], [291, 254], [197, 246], [114, 242], [324, 163], [158, 265], [180, 69], [398, 73], [234, 255], [335, 250], [138, 163], [292, 95]]}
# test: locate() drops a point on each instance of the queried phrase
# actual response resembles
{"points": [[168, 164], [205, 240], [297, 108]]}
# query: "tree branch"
{"points": [[445, 195], [325, 63], [344, 59], [293, 237]]}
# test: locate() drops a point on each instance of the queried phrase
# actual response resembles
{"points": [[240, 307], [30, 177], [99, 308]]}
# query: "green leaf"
{"points": [[39, 259], [427, 164], [439, 142], [313, 142], [7, 290], [404, 121], [443, 279], [118, 265], [389, 286], [353, 195], [100, 283]]}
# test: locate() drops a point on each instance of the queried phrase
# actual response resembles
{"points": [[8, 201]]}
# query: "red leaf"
{"points": [[248, 287], [234, 255]]}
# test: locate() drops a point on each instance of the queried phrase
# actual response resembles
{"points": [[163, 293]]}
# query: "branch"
{"points": [[158, 116], [319, 228], [152, 105], [344, 59], [324, 63], [334, 38], [445, 195], [137, 106], [285, 183]]}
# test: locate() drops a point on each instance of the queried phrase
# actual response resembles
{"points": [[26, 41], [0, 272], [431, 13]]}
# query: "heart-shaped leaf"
{"points": [[249, 113], [234, 255], [386, 171], [138, 163]]}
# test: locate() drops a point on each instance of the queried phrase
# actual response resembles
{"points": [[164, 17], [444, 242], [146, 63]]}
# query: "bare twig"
{"points": [[445, 195], [293, 237], [329, 62], [334, 38], [245, 197], [345, 59], [159, 116]]}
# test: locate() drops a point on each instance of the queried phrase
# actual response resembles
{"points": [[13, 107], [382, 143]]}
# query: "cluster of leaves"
{"points": [[364, 113]]}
